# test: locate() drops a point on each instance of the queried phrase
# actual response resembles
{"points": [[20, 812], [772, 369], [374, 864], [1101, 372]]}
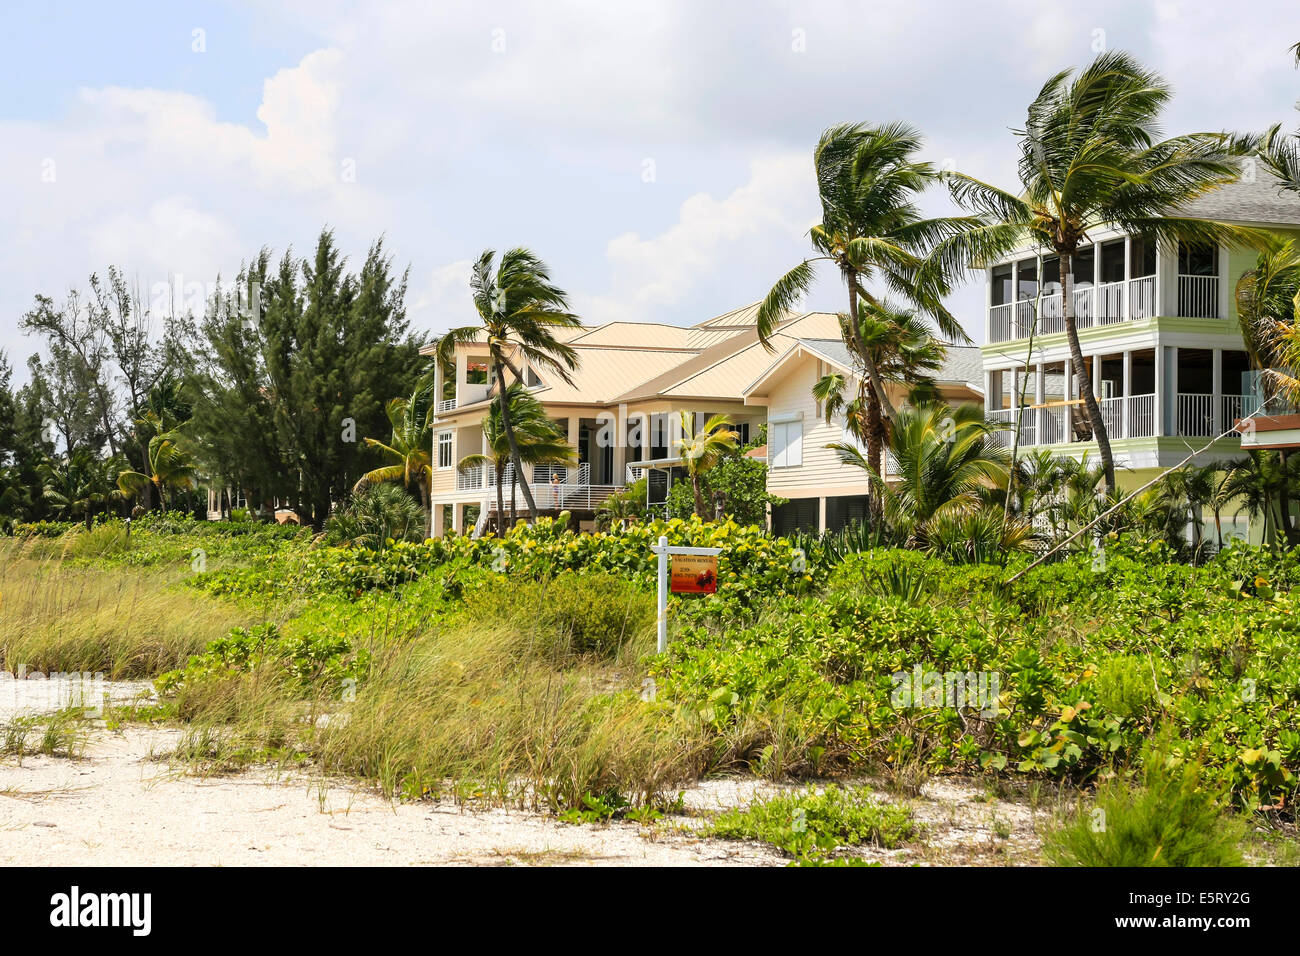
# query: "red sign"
{"points": [[694, 574]]}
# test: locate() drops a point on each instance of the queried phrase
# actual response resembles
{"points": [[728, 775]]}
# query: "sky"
{"points": [[656, 155]]}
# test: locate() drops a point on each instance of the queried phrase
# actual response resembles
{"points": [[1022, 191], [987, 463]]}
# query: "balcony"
{"points": [[573, 492], [446, 405], [1132, 416], [1108, 303]]}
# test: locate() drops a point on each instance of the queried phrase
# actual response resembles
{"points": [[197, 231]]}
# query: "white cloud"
{"points": [[757, 228]]}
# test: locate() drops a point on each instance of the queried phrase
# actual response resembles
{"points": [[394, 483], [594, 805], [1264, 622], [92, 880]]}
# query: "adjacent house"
{"points": [[824, 493], [1159, 332]]}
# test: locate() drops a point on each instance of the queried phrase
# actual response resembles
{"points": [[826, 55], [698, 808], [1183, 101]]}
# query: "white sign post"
{"points": [[664, 551]]}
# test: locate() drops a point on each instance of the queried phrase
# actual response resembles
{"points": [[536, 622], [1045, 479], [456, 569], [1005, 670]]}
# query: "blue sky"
{"points": [[655, 154]]}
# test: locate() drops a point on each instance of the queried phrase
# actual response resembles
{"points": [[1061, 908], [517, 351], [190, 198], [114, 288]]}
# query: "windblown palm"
{"points": [[1260, 483], [519, 311], [872, 232], [1268, 307], [538, 441], [904, 350], [410, 447], [944, 459], [1088, 157], [170, 466], [701, 449]]}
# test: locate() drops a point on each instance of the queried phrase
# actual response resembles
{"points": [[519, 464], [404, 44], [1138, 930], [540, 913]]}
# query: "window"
{"points": [[742, 433], [476, 370], [1001, 284], [785, 444], [444, 449], [1198, 260]]}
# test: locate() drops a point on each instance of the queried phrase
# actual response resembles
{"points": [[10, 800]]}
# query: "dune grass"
{"points": [[535, 701], [120, 621]]}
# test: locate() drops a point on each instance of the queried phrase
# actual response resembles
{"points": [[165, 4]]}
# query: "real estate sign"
{"points": [[695, 574]]}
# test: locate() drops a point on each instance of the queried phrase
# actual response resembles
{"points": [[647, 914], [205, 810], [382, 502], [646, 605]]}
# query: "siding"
{"points": [[821, 466]]}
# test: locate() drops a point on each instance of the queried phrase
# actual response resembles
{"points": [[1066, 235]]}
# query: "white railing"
{"points": [[1093, 305], [999, 323], [1195, 415], [634, 472], [446, 405], [1198, 297], [557, 498], [1110, 303], [1141, 416], [1142, 297], [470, 479], [1130, 416], [1112, 415], [1234, 409]]}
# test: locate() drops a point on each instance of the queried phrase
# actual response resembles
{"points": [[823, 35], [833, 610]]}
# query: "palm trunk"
{"points": [[509, 431], [875, 456], [868, 361], [1081, 373], [501, 502], [699, 498]]}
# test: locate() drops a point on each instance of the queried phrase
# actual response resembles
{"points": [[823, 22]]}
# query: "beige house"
{"points": [[621, 412], [823, 492]]}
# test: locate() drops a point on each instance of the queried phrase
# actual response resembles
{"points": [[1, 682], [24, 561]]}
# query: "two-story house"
{"points": [[823, 492], [621, 412], [1159, 332]]}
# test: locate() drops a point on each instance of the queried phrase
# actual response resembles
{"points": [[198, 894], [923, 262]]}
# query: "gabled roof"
{"points": [[962, 364]]}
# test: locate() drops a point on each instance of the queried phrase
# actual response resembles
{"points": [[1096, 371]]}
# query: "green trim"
{"points": [[1099, 333]]}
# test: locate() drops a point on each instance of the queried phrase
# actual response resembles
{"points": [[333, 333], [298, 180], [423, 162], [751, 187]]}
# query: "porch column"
{"points": [[439, 526], [1159, 423], [1216, 390], [1128, 276], [1096, 283], [1067, 395], [571, 436], [1172, 378], [988, 391], [821, 514], [1096, 377], [1127, 387], [1040, 393], [458, 517]]}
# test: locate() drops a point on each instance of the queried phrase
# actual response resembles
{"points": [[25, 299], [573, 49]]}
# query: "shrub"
{"points": [[574, 613], [813, 826], [1172, 819]]}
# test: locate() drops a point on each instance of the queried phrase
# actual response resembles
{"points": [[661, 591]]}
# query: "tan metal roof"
{"points": [[636, 335], [604, 373]]}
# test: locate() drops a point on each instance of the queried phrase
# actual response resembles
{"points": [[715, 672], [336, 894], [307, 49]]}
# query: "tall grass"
{"points": [[538, 704], [121, 621]]}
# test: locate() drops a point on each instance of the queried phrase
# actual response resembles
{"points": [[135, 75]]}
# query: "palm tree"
{"points": [[1088, 157], [903, 350], [519, 311], [701, 449], [1192, 488], [944, 462], [169, 464], [537, 441], [1268, 308], [1261, 482], [79, 484], [411, 446], [1280, 152], [872, 231]]}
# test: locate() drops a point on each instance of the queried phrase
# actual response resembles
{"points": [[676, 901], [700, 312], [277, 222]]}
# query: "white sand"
{"points": [[120, 805]]}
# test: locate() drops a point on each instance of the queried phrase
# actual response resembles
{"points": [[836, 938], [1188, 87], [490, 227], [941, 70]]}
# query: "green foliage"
{"points": [[1173, 818], [309, 660], [575, 613], [734, 488], [812, 826], [376, 515]]}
